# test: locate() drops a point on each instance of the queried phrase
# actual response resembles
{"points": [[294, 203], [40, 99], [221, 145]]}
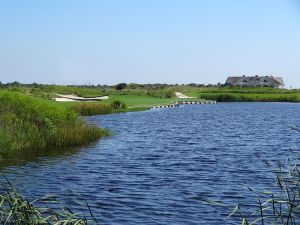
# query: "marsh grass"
{"points": [[251, 97], [80, 133], [99, 108], [92, 108], [16, 210], [28, 123], [117, 104]]}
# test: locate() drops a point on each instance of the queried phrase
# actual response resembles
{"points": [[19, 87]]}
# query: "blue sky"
{"points": [[148, 41]]}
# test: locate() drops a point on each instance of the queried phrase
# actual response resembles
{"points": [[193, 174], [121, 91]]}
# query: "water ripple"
{"points": [[162, 165]]}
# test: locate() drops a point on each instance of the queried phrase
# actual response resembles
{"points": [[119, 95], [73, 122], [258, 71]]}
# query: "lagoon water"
{"points": [[161, 166]]}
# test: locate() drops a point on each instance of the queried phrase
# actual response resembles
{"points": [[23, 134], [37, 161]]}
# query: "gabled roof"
{"points": [[232, 80], [279, 80]]}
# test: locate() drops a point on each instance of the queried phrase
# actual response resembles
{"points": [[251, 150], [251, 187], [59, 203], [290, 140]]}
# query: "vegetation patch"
{"points": [[30, 123], [117, 104], [99, 108], [92, 108], [251, 97]]}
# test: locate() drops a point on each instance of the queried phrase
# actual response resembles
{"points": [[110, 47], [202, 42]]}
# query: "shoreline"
{"points": [[43, 117]]}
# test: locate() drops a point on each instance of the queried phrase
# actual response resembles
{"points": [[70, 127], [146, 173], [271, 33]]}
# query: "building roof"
{"points": [[254, 81], [232, 80]]}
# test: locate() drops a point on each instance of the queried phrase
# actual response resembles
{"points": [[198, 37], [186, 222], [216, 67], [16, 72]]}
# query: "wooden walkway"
{"points": [[196, 102], [178, 103]]}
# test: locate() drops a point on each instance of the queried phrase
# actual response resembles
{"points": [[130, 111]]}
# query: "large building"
{"points": [[255, 81]]}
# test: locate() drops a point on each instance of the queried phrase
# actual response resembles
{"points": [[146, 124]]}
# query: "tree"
{"points": [[121, 86]]}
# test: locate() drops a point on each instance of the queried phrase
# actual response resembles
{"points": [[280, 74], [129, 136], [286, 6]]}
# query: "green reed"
{"points": [[17, 210], [92, 108], [280, 207], [28, 123], [98, 108], [251, 97]]}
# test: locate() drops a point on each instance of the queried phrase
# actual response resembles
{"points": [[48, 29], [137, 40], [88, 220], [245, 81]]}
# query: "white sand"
{"points": [[64, 100], [74, 98], [180, 95]]}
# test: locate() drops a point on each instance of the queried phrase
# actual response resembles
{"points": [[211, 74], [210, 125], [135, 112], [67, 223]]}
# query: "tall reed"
{"points": [[17, 210], [28, 123], [251, 97], [92, 108], [98, 108], [282, 206]]}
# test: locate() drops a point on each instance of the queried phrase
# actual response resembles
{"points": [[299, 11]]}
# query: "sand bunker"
{"points": [[76, 98], [180, 95]]}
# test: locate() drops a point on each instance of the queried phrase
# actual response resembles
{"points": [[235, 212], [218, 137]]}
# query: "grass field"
{"points": [[140, 101], [224, 94], [148, 97]]}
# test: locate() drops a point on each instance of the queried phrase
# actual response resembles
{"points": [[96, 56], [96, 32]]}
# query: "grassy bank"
{"points": [[30, 123]]}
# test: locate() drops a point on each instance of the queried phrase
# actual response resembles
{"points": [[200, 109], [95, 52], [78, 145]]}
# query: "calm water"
{"points": [[161, 164]]}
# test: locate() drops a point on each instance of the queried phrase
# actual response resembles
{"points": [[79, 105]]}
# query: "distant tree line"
{"points": [[120, 86], [158, 86]]}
